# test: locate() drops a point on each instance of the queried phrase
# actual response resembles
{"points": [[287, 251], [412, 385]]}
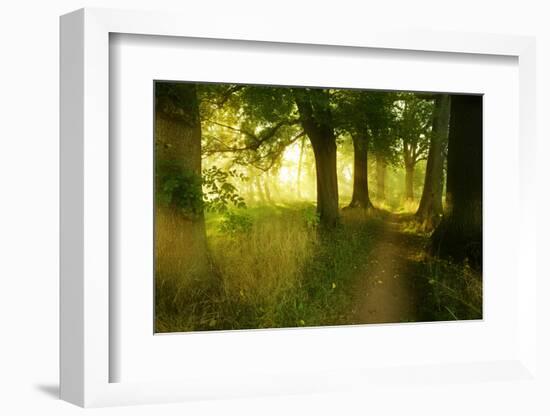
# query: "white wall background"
{"points": [[29, 191]]}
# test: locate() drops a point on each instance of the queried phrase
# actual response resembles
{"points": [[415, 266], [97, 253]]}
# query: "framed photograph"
{"points": [[284, 212]]}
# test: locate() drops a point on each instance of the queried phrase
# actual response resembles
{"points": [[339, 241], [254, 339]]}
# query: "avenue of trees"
{"points": [[273, 205], [255, 124]]}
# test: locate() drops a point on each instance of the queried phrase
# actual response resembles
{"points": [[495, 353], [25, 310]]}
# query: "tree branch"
{"points": [[265, 135], [235, 129], [221, 102], [274, 155]]}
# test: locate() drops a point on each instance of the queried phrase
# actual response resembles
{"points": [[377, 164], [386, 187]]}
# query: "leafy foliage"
{"points": [[178, 188], [234, 223], [179, 100], [186, 191], [219, 192], [271, 264], [253, 123], [370, 114], [268, 104], [414, 125], [311, 218]]}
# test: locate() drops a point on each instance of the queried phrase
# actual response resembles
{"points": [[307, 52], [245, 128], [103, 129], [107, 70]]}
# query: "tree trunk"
{"points": [[273, 185], [315, 117], [380, 178], [360, 197], [460, 233], [430, 208], [259, 190], [409, 181], [178, 139], [267, 191], [327, 183], [299, 175]]}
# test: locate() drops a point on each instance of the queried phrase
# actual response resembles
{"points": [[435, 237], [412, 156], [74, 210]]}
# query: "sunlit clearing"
{"points": [[347, 172], [292, 154], [288, 173]]}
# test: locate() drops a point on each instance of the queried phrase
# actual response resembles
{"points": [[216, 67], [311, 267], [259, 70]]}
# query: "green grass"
{"points": [[455, 291], [281, 272], [272, 267]]}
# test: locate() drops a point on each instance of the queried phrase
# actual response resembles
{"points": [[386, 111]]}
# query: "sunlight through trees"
{"points": [[284, 206]]}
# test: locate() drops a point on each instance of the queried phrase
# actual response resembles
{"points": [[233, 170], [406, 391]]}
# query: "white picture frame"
{"points": [[85, 221]]}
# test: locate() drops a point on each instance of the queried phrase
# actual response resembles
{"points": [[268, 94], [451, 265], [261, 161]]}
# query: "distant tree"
{"points": [[459, 235], [352, 115], [431, 206], [381, 166], [386, 148], [414, 125], [367, 117], [360, 196], [300, 161], [385, 141]]}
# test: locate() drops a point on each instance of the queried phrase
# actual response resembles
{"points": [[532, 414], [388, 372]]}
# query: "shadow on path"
{"points": [[388, 283]]}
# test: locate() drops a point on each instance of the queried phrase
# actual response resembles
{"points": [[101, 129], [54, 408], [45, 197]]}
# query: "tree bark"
{"points": [[178, 139], [380, 177], [459, 235], [327, 183], [315, 118], [360, 196], [430, 208]]}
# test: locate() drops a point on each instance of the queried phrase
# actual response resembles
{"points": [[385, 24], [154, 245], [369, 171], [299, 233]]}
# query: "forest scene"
{"points": [[279, 207]]}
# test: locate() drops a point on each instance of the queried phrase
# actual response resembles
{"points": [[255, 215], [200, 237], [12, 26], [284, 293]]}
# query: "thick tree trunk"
{"points": [[460, 233], [315, 117], [327, 182], [430, 208], [178, 139], [380, 178], [409, 181], [360, 197]]}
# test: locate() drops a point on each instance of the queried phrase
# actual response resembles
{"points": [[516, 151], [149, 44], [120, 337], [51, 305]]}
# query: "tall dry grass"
{"points": [[179, 260], [262, 264], [252, 272]]}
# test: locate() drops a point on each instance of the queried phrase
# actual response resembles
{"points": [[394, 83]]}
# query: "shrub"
{"points": [[233, 224]]}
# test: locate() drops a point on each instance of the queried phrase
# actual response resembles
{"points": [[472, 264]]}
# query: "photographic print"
{"points": [[281, 206]]}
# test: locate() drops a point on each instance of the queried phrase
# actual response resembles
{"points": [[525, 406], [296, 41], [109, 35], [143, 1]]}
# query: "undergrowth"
{"points": [[273, 267], [455, 291], [268, 268]]}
